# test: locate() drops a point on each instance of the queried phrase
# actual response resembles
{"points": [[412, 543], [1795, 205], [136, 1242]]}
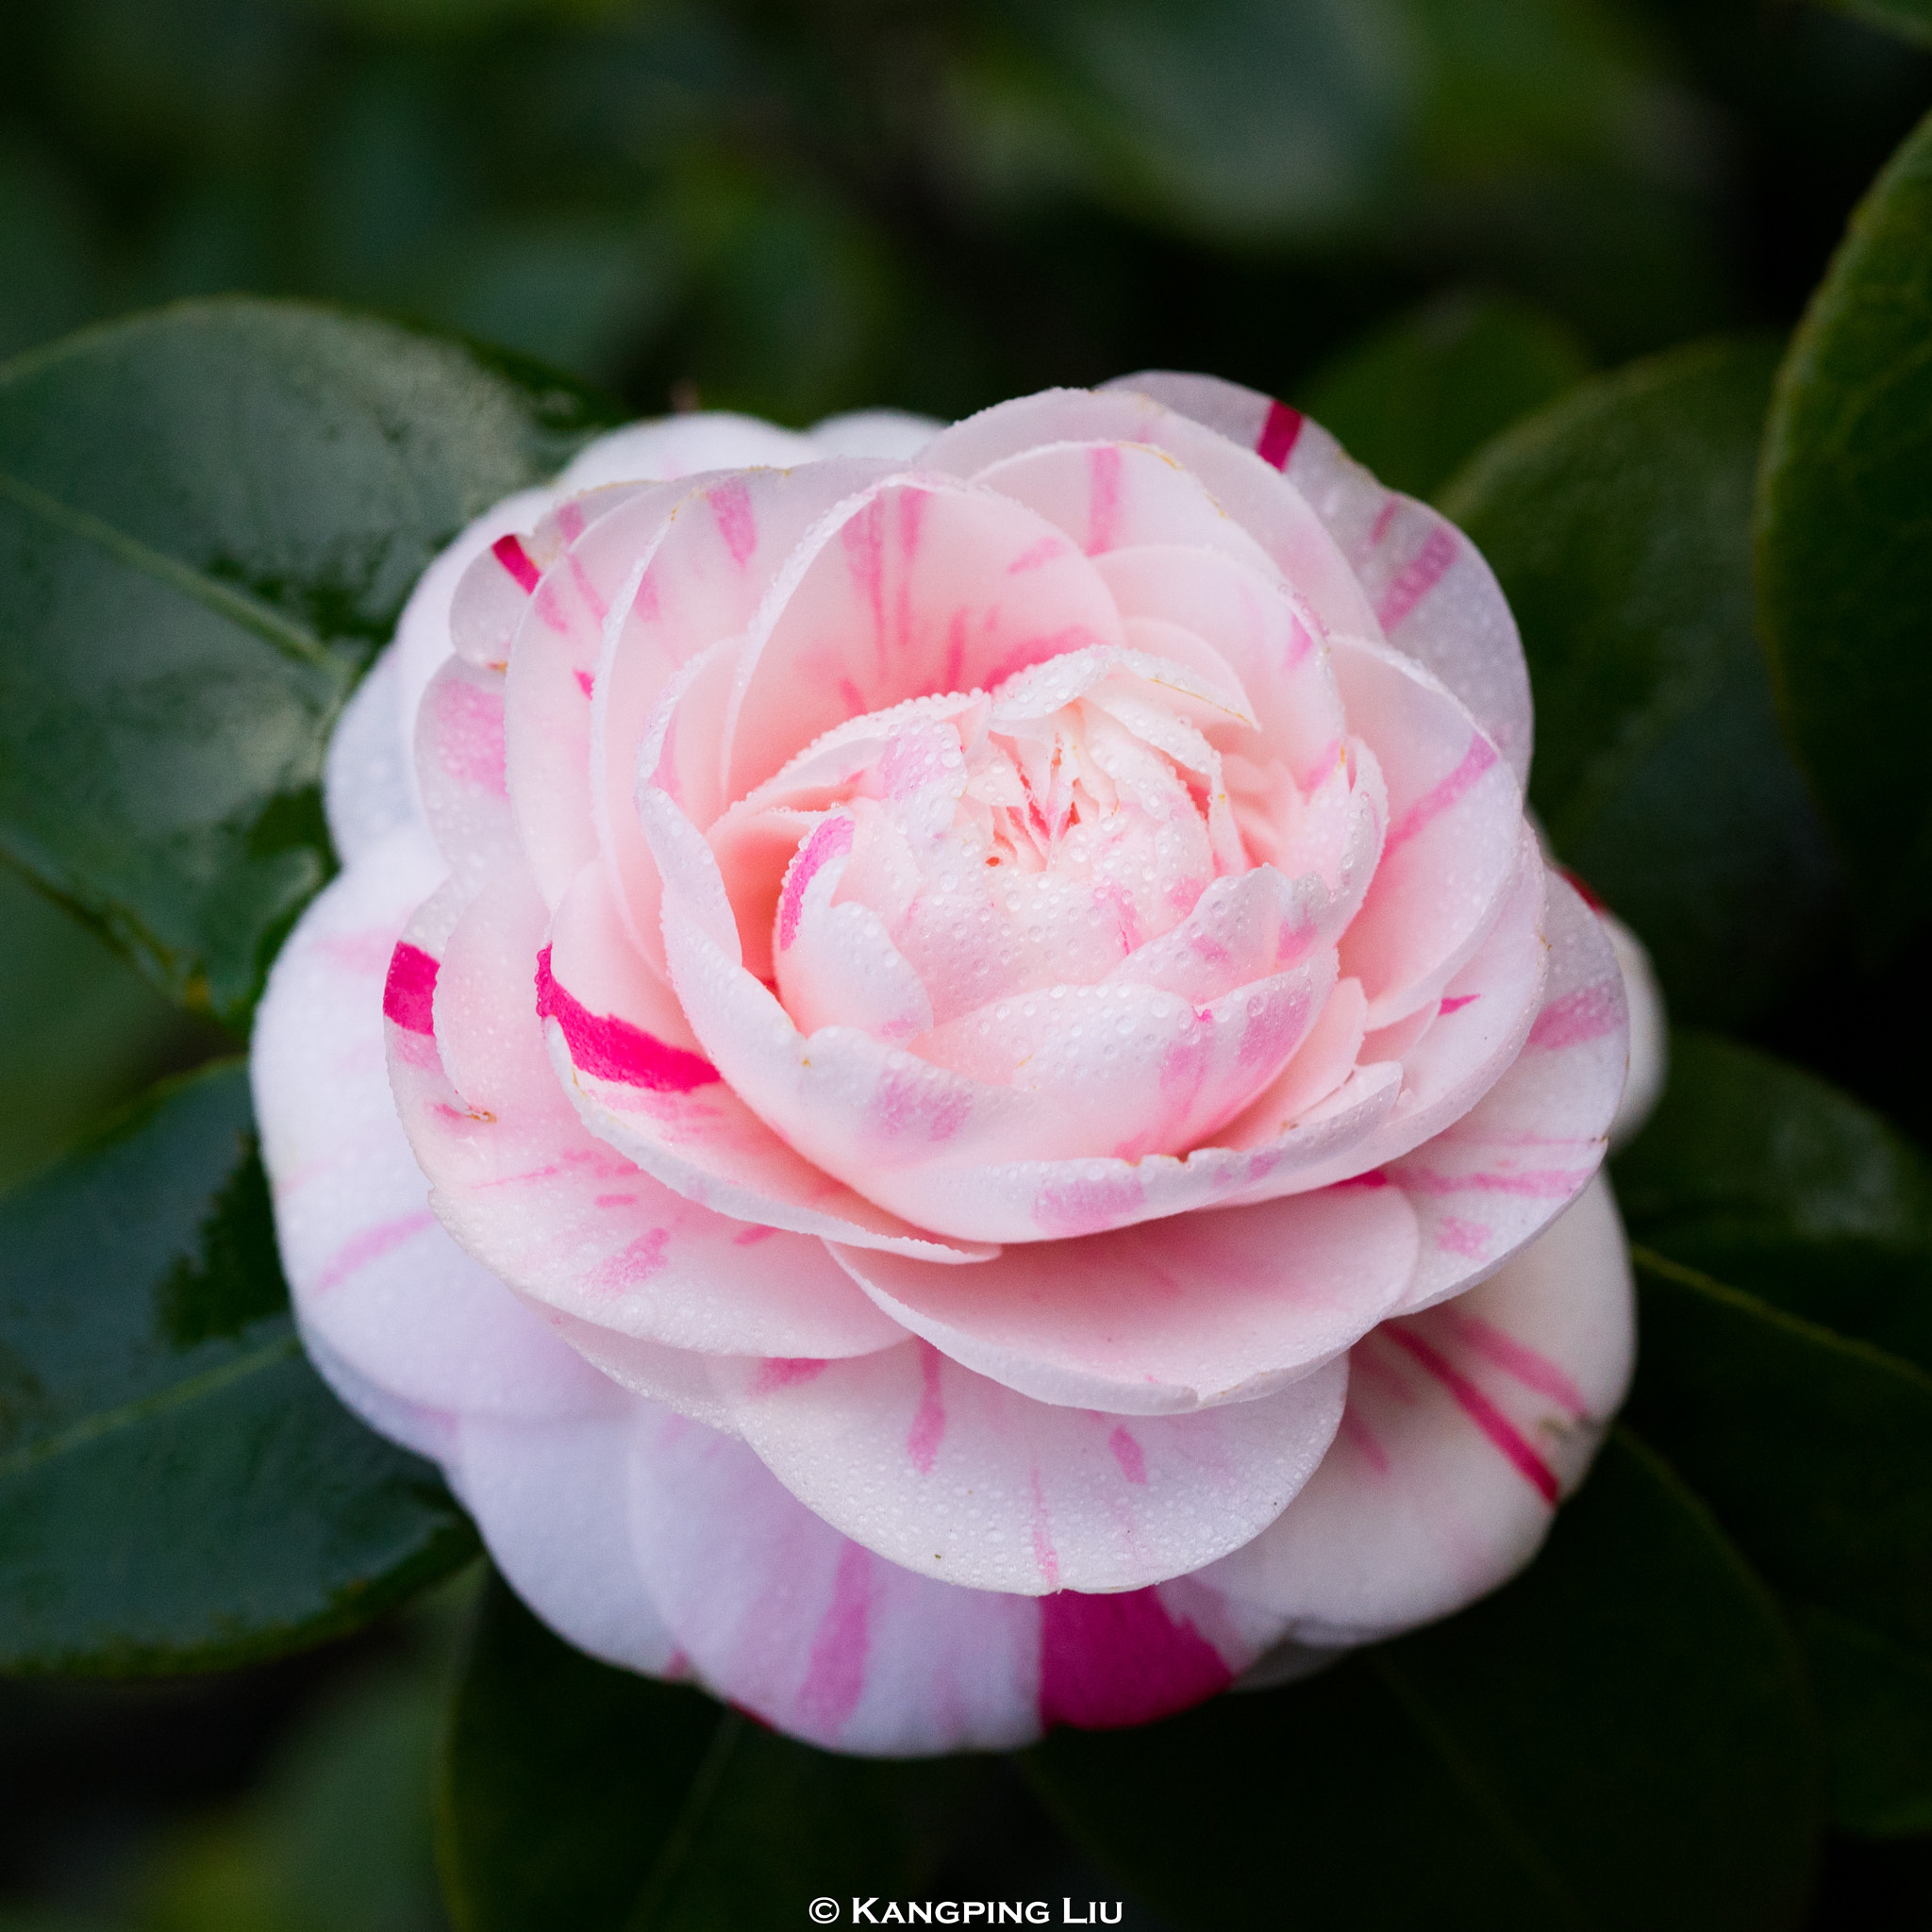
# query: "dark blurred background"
{"points": [[796, 209]]}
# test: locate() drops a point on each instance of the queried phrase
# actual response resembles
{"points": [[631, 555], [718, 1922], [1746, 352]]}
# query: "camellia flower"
{"points": [[995, 1059]]}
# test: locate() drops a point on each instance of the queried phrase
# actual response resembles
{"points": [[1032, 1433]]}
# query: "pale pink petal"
{"points": [[1170, 1316], [641, 1083], [893, 434], [561, 1216], [368, 789], [1649, 1032], [1434, 598], [1454, 828], [1463, 1427], [376, 1280], [551, 1501], [460, 771], [1250, 489], [1495, 1178], [670, 447], [917, 586], [788, 1619], [422, 643], [961, 1479]]}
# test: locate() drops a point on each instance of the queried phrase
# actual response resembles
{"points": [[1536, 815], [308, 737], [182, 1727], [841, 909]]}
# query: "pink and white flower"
{"points": [[944, 1089]]}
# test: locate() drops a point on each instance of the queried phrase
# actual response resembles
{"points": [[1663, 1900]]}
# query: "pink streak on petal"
{"points": [[1530, 1367], [1362, 1439], [835, 1677], [1482, 1412], [736, 524], [1384, 517], [410, 991], [1103, 500], [1109, 1661], [831, 837], [1130, 1456], [1279, 434], [1086, 1205], [1468, 1239], [585, 682], [612, 1049], [1587, 1014], [370, 1244], [570, 520], [633, 1265], [784, 1371], [1374, 1178], [469, 736], [511, 553], [1477, 760], [929, 1424], [1041, 552], [752, 1237], [1532, 1183], [587, 589], [1456, 1005], [1417, 577]]}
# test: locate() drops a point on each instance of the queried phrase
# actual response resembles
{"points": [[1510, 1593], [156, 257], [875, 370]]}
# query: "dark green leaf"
{"points": [[1812, 1450], [1422, 395], [1618, 1739], [1760, 1174], [578, 1795], [209, 518], [1877, 1706], [1618, 522], [178, 1489], [1845, 542], [1911, 18]]}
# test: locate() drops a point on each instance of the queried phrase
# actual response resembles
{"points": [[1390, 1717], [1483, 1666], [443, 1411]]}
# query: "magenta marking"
{"points": [[929, 1422], [831, 837], [615, 1201], [593, 601], [1109, 1661], [1102, 499], [864, 538], [736, 524], [644, 606], [1086, 1205], [1482, 1412], [633, 1264], [1374, 1178], [609, 1048], [409, 993], [1384, 518], [1417, 577], [1527, 1365], [1533, 1184], [785, 1372], [1280, 431], [1457, 1003], [835, 1676], [586, 683], [509, 552], [370, 1245], [1477, 760], [752, 1237], [1361, 1439], [1587, 1014], [1582, 887], [955, 653], [570, 520], [1129, 1454], [1468, 1239]]}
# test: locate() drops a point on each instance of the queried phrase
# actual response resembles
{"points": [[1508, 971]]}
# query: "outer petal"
{"points": [[957, 1478], [460, 771], [668, 447], [792, 1621], [378, 1286], [367, 785], [895, 433], [1499, 1175], [1436, 600], [1170, 1316], [1649, 1032], [1464, 1427]]}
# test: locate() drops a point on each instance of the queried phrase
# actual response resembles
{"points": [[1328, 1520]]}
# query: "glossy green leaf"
{"points": [[1876, 1699], [1811, 1449], [1845, 542], [1762, 1174], [576, 1794], [178, 1488], [1422, 394], [1618, 522], [1618, 1739], [209, 518]]}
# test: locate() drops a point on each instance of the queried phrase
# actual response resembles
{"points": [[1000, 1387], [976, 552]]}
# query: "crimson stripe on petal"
{"points": [[409, 993], [1109, 1661], [1279, 434], [609, 1048], [1482, 1412], [509, 552]]}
